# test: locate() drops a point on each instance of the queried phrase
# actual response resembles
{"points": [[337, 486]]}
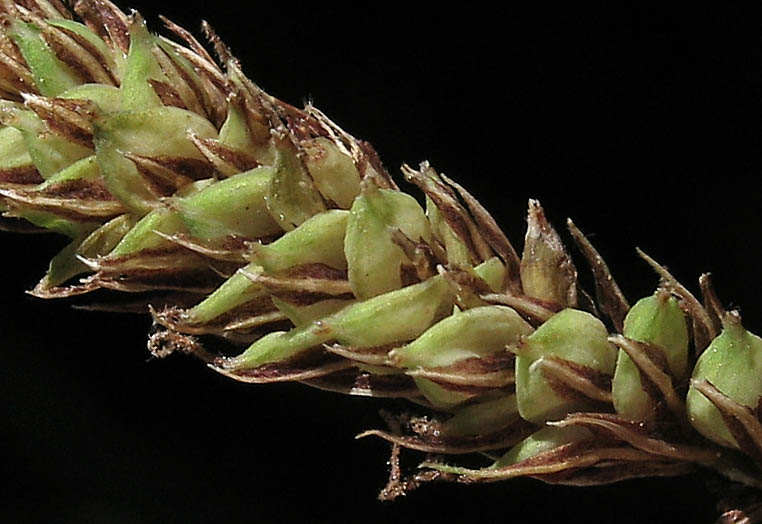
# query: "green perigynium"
{"points": [[656, 320], [270, 227], [561, 367], [730, 368]]}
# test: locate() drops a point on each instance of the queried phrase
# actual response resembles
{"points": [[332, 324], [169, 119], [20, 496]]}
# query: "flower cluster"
{"points": [[230, 214]]}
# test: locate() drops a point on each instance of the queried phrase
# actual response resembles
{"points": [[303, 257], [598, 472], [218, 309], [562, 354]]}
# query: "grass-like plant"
{"points": [[230, 215]]}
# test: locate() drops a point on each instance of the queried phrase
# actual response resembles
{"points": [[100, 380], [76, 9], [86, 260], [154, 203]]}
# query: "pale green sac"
{"points": [[234, 206], [396, 316], [659, 321], [541, 441], [540, 453], [234, 292], [477, 333], [100, 242], [571, 336], [374, 260], [474, 333], [143, 236], [334, 173], [125, 138], [50, 152], [319, 240], [440, 396], [236, 134], [733, 364], [13, 152], [483, 418], [493, 272], [316, 241], [292, 197]]}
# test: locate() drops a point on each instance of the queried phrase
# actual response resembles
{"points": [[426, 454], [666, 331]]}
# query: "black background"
{"points": [[642, 125]]}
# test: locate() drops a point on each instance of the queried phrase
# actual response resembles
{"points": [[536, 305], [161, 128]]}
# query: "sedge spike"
{"points": [[228, 214]]}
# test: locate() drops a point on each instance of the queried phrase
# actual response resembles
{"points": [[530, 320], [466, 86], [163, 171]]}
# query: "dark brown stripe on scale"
{"points": [[194, 168], [640, 436], [26, 175], [91, 212], [70, 59], [575, 382], [189, 83], [741, 420], [106, 20], [309, 365], [93, 51], [316, 270], [139, 280], [408, 275], [167, 94], [297, 298], [215, 152], [80, 190], [610, 298], [361, 383], [16, 76], [246, 314], [68, 117]]}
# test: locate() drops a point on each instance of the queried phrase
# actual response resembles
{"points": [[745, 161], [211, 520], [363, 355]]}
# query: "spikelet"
{"points": [[231, 214]]}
